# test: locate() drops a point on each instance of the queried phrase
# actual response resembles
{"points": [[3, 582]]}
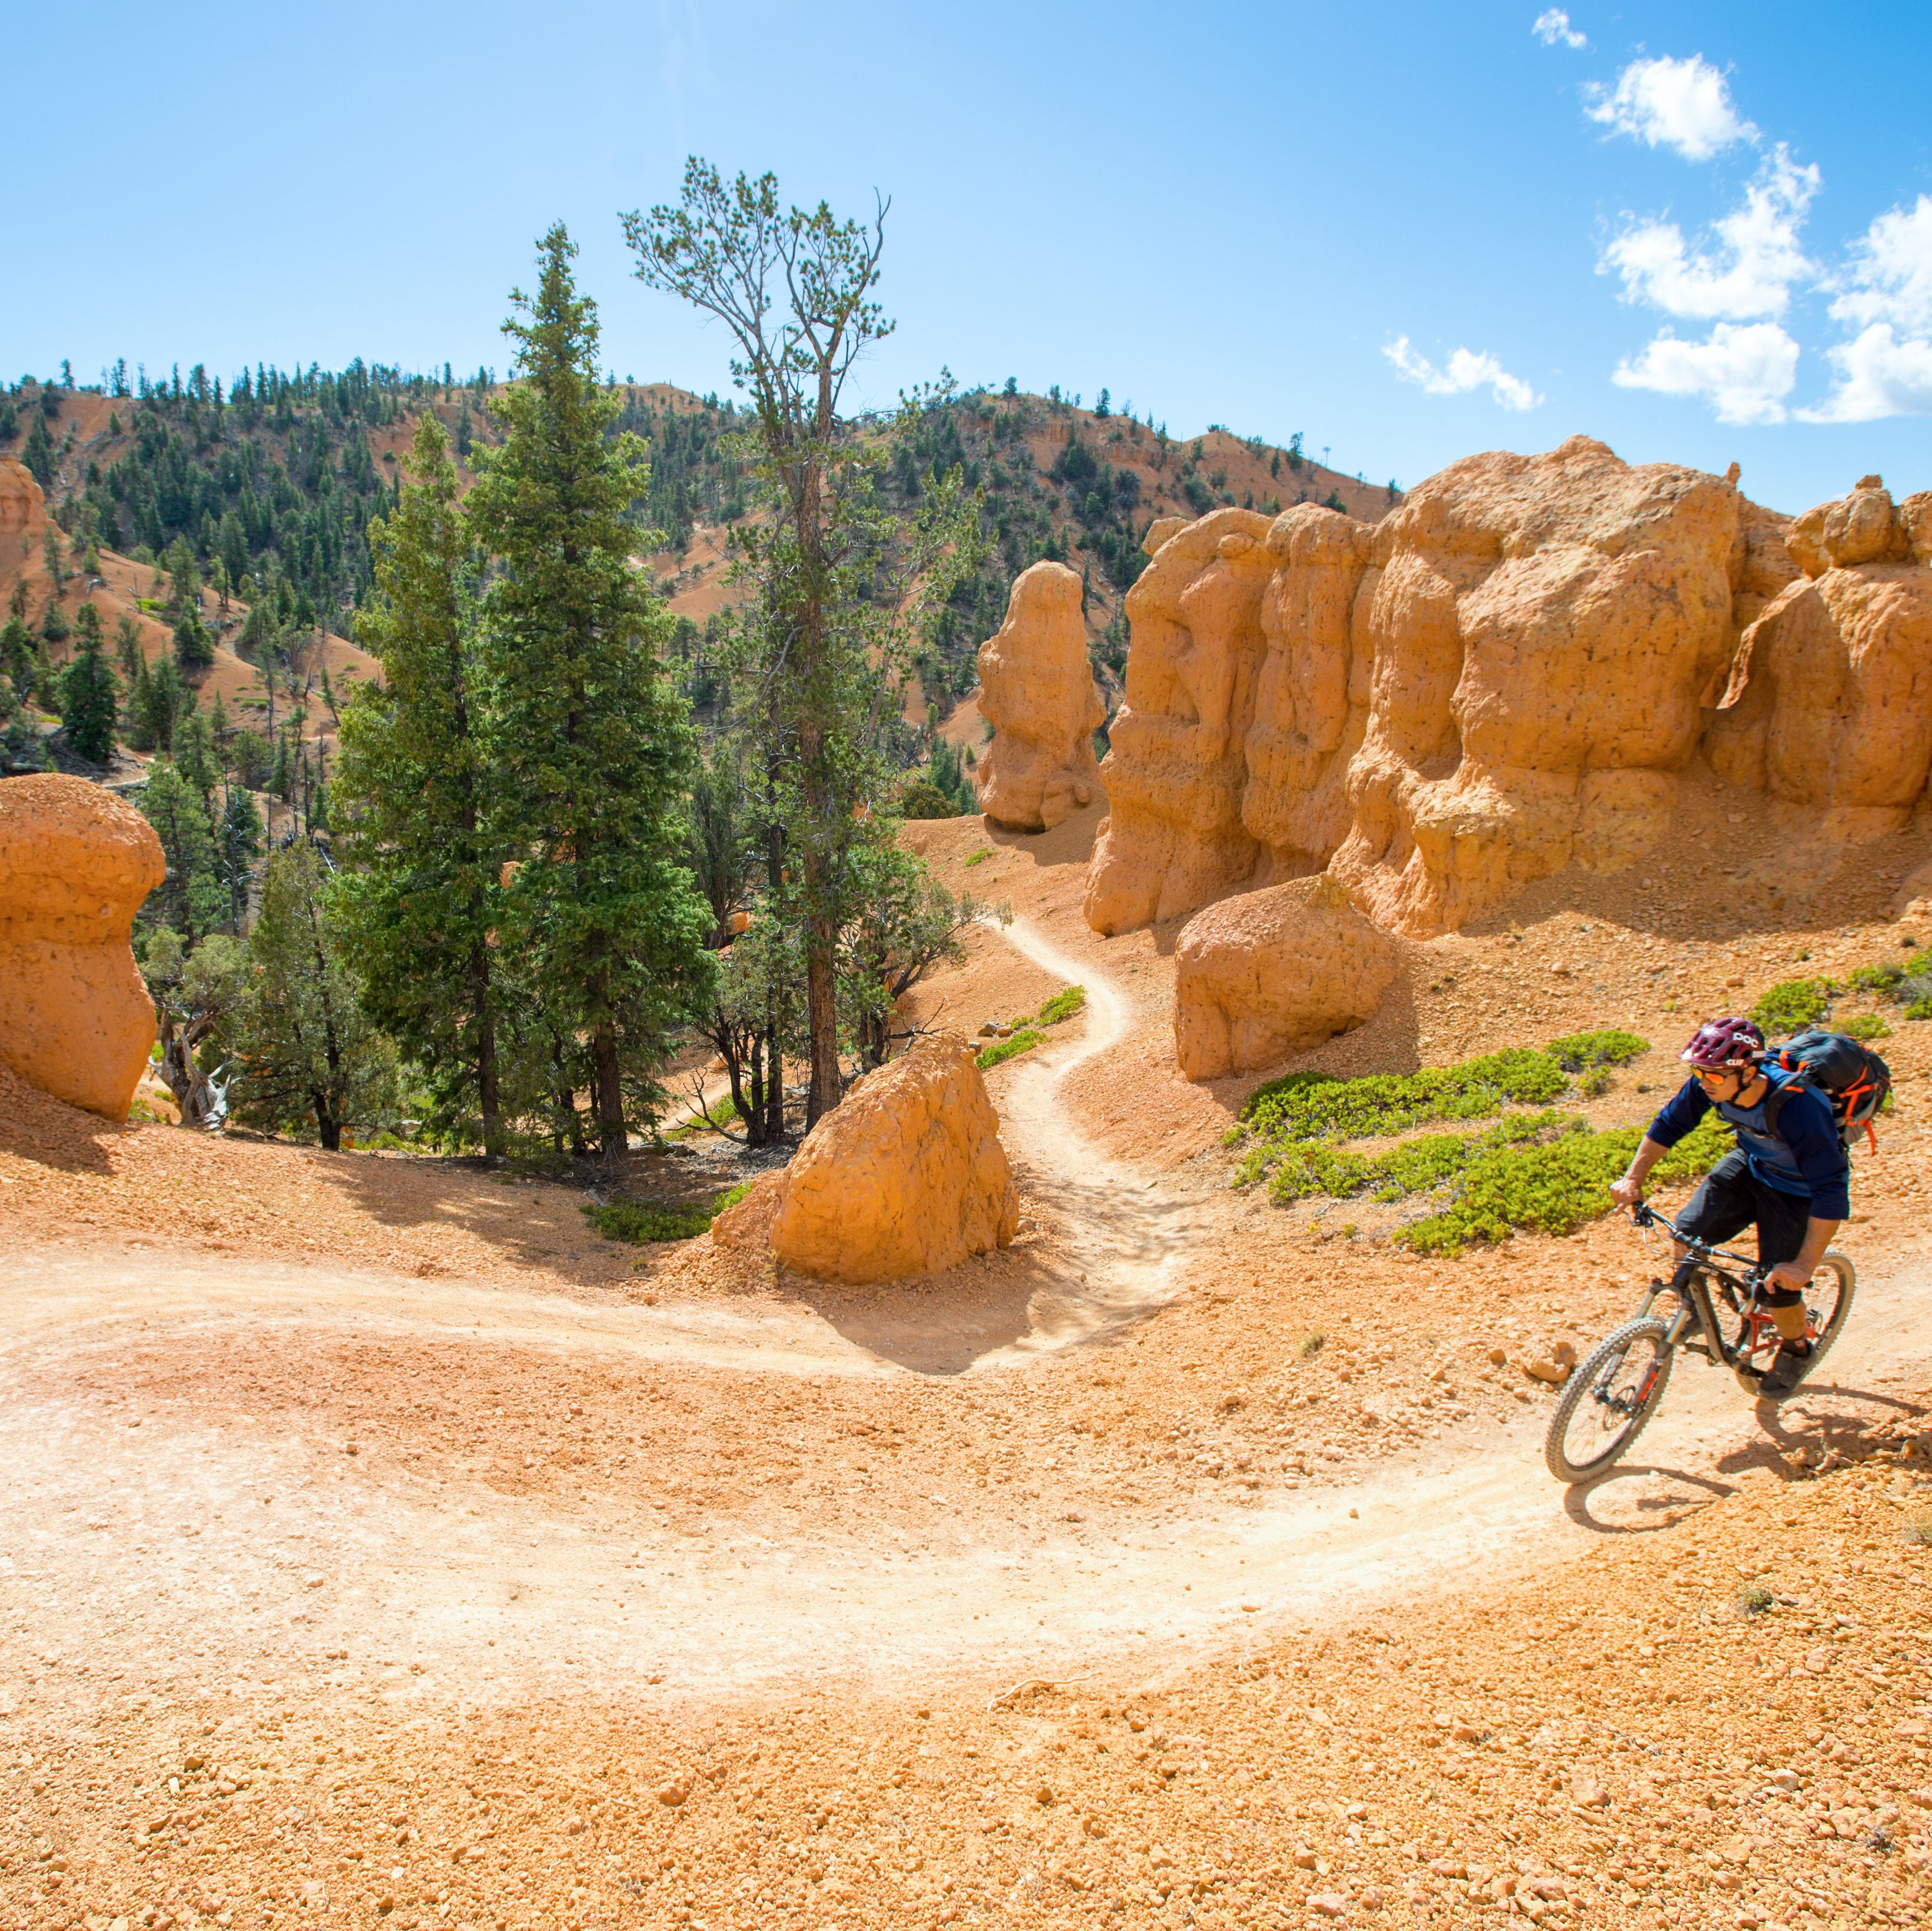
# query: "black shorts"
{"points": [[1731, 1197]]}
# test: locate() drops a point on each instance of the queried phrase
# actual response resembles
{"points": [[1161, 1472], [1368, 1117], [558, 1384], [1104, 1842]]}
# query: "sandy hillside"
{"points": [[383, 1547]]}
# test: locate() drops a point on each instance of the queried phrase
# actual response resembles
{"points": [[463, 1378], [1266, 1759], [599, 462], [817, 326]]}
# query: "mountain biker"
{"points": [[1792, 1178]]}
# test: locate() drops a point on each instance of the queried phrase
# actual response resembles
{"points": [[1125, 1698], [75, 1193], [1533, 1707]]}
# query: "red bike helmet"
{"points": [[1719, 1044]]}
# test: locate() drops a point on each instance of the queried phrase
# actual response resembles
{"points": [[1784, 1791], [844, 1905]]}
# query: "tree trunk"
{"points": [[606, 1097], [327, 1125], [821, 997], [488, 1100]]}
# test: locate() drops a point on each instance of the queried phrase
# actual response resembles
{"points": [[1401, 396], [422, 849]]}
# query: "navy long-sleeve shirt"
{"points": [[1802, 1156]]}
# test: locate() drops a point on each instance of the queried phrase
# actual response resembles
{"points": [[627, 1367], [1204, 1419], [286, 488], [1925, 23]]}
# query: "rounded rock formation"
{"points": [[1829, 703], [1257, 976], [906, 1176], [1502, 677], [76, 863], [1036, 690]]}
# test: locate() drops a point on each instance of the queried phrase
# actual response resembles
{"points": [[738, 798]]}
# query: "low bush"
{"points": [[1793, 1005], [1579, 1051], [1879, 978], [1554, 1187], [640, 1222], [1024, 1039], [1030, 1032], [1866, 1025], [1412, 1166], [1306, 1106], [1062, 1006]]}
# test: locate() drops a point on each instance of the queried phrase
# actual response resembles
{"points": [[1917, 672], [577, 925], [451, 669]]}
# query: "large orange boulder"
{"points": [[1829, 703], [1262, 974], [906, 1176], [1036, 689], [76, 863]]}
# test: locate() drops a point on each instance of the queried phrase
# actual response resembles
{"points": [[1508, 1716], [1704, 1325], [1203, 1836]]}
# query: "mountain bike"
{"points": [[1611, 1396]]}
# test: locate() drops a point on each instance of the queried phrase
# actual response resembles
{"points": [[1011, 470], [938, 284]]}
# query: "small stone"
{"points": [[674, 1790], [1328, 1903], [1304, 1858], [1498, 1357], [1817, 1662]]}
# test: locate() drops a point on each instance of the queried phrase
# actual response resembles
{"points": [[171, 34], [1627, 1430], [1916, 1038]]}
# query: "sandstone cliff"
{"points": [[1504, 676], [75, 864], [1036, 689], [1829, 702]]}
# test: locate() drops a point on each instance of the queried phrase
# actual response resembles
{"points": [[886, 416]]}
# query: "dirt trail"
{"points": [[247, 1537]]}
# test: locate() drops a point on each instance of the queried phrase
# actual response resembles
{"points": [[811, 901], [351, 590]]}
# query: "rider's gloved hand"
{"points": [[1627, 1192]]}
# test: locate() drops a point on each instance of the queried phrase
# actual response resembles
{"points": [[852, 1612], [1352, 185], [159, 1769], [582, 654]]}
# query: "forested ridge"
{"points": [[508, 740]]}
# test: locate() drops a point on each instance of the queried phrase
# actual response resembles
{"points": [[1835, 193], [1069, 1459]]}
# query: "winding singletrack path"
{"points": [[256, 1548]]}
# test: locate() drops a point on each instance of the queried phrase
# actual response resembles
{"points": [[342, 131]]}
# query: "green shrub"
{"points": [[640, 1222], [1319, 1106], [1753, 1599], [1024, 1039], [980, 856], [1878, 978], [1029, 1032], [1792, 1005], [1578, 1051], [1413, 1167], [1554, 1187], [1597, 1082], [1919, 1009], [1866, 1025]]}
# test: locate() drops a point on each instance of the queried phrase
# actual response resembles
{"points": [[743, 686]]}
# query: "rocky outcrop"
{"points": [[1174, 839], [75, 864], [1546, 630], [906, 1176], [1264, 973], [1502, 677], [1036, 689], [23, 517], [1829, 701]]}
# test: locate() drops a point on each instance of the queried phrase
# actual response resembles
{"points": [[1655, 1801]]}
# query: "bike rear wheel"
{"points": [[1609, 1400], [1828, 1301]]}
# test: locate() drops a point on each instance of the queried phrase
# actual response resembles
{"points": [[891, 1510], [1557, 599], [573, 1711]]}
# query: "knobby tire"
{"points": [[1603, 1362]]}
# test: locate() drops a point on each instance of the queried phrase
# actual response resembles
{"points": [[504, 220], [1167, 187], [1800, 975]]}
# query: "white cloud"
{"points": [[1685, 104], [1743, 371], [1886, 292], [1878, 375], [1552, 28], [1748, 270], [1464, 370]]}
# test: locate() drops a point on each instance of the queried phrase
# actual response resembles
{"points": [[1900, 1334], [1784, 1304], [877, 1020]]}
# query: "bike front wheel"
{"points": [[1609, 1400]]}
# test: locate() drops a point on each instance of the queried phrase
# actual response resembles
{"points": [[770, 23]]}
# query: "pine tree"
{"points": [[156, 701], [307, 1051], [422, 897], [192, 747], [593, 750], [128, 649], [88, 694], [191, 899], [238, 844], [194, 649], [37, 453], [16, 656]]}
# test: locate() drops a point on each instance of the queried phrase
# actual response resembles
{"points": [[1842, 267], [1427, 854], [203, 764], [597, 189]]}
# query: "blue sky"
{"points": [[1701, 233]]}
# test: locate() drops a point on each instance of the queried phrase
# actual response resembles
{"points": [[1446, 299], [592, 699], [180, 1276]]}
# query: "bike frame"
{"points": [[1760, 1329]]}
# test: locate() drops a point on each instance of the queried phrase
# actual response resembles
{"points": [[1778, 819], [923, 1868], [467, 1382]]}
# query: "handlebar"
{"points": [[1646, 1216]]}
